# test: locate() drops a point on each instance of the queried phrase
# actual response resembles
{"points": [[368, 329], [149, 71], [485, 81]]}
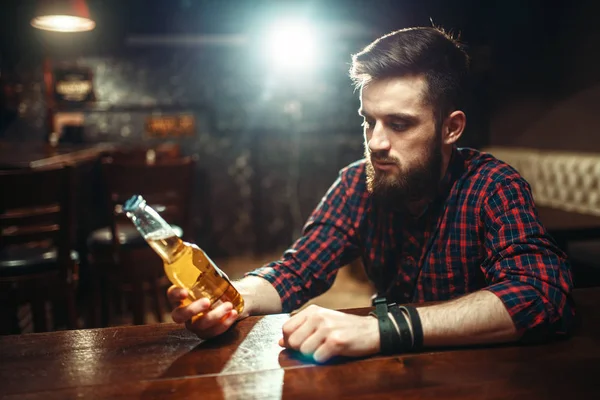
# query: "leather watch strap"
{"points": [[417, 328], [389, 338], [401, 320]]}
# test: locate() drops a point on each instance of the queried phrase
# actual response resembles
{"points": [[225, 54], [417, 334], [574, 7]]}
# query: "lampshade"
{"points": [[63, 16]]}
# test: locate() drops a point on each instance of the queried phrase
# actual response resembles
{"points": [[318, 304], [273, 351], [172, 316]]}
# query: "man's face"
{"points": [[402, 147]]}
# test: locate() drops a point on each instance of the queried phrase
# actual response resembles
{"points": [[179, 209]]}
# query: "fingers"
{"points": [[220, 327], [185, 312], [213, 317], [176, 295], [321, 344], [292, 324], [298, 336], [331, 346], [312, 343], [323, 354], [305, 331], [198, 316]]}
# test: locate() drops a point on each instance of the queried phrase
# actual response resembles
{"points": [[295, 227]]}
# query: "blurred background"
{"points": [[256, 93]]}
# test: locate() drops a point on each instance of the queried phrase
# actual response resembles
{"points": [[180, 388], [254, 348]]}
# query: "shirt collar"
{"points": [[454, 170]]}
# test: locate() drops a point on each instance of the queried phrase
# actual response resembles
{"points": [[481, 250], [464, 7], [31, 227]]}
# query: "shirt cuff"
{"points": [[524, 304], [283, 282]]}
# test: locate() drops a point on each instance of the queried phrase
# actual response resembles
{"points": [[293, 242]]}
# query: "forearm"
{"points": [[260, 297], [478, 318]]}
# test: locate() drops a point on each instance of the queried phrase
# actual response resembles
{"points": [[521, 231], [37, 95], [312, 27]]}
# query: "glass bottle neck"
{"points": [[155, 230]]}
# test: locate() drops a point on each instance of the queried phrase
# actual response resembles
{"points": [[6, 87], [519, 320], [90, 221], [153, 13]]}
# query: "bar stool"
{"points": [[37, 262]]}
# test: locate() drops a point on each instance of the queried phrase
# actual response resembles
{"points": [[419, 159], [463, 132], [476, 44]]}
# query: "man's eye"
{"points": [[367, 124], [399, 127]]}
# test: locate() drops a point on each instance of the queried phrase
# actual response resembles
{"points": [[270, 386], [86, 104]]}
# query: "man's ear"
{"points": [[453, 127]]}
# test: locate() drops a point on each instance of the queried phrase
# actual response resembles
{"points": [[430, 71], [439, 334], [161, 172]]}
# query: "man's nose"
{"points": [[379, 140]]}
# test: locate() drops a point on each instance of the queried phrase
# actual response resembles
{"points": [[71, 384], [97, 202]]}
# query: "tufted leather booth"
{"points": [[559, 179], [568, 181]]}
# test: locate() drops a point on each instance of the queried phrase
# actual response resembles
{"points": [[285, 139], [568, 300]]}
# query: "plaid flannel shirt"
{"points": [[482, 231]]}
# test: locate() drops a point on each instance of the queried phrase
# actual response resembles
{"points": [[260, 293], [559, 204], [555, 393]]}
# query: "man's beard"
{"points": [[398, 189]]}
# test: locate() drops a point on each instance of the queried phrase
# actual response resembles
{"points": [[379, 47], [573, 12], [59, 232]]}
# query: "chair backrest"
{"points": [[167, 184], [36, 209]]}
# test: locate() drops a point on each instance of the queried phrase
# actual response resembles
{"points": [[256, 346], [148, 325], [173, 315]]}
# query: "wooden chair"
{"points": [[37, 261], [118, 253]]}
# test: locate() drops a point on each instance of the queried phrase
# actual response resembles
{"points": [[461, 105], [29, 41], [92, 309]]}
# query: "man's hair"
{"points": [[425, 51]]}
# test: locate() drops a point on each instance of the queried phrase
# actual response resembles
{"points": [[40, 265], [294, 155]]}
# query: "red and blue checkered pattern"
{"points": [[481, 232]]}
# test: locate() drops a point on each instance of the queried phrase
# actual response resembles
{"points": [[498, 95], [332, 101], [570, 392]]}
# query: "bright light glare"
{"points": [[63, 23], [292, 46]]}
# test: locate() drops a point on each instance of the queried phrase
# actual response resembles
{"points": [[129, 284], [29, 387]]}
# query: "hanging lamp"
{"points": [[63, 16]]}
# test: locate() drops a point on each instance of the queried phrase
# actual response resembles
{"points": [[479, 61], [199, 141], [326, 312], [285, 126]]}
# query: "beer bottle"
{"points": [[186, 265]]}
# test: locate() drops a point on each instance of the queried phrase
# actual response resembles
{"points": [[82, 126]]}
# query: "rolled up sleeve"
{"points": [[524, 267], [309, 267]]}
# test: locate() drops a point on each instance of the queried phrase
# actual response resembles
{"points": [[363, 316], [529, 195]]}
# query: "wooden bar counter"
{"points": [[165, 360]]}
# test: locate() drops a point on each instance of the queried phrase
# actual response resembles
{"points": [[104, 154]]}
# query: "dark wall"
{"points": [[270, 149], [558, 109]]}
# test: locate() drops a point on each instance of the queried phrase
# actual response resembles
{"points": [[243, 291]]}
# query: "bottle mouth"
{"points": [[132, 203]]}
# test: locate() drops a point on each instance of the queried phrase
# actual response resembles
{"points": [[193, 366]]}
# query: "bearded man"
{"points": [[431, 222]]}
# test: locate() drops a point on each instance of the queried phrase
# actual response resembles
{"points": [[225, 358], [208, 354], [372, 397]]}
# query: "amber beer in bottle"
{"points": [[186, 265]]}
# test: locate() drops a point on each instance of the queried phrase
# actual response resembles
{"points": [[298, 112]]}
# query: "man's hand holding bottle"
{"points": [[197, 315]]}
